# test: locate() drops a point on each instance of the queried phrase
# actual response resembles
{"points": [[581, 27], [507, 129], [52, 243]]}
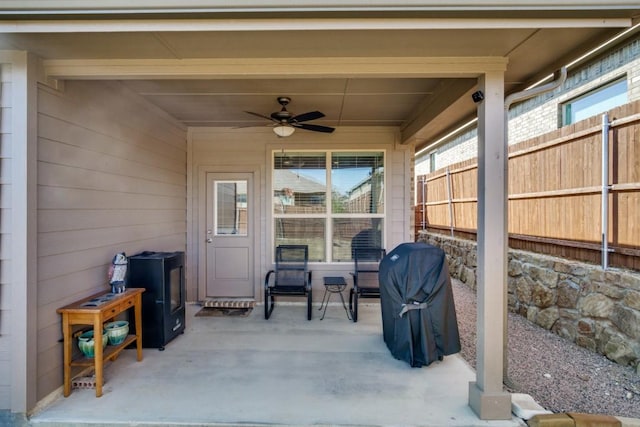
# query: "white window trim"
{"points": [[328, 216]]}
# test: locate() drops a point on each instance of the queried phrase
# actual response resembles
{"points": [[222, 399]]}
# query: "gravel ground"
{"points": [[559, 375]]}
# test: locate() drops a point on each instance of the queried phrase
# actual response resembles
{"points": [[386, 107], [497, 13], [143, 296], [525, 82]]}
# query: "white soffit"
{"points": [[176, 6], [306, 24]]}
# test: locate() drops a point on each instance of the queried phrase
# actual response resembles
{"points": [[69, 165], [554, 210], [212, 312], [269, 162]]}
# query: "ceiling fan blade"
{"points": [[262, 116], [316, 128], [304, 117]]}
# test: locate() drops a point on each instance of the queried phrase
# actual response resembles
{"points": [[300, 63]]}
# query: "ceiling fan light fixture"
{"points": [[283, 130], [285, 122]]}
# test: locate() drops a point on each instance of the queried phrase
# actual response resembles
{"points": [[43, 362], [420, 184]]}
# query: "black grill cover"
{"points": [[418, 312]]}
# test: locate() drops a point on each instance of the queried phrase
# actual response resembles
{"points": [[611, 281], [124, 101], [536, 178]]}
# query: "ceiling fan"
{"points": [[287, 122]]}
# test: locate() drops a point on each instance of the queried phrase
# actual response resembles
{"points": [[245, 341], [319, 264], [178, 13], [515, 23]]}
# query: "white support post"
{"points": [[486, 395], [24, 235]]}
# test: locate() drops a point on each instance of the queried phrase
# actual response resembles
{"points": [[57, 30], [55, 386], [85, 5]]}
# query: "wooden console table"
{"points": [[96, 310]]}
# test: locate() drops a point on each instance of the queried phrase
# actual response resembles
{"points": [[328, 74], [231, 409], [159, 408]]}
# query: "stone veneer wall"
{"points": [[594, 308]]}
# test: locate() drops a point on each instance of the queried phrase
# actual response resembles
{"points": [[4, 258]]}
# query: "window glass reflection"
{"points": [[355, 233], [231, 208], [330, 201], [302, 231], [299, 183], [357, 181]]}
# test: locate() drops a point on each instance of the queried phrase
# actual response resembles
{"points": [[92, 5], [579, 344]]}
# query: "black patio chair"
{"points": [[291, 277], [365, 276]]}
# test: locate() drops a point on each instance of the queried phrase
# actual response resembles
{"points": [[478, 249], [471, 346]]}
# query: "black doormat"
{"points": [[224, 312]]}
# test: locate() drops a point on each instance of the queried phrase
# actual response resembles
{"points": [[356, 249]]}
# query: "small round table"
{"points": [[333, 285]]}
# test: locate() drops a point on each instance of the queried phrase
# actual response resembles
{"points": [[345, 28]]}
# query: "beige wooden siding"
{"points": [[238, 149], [5, 236], [111, 177]]}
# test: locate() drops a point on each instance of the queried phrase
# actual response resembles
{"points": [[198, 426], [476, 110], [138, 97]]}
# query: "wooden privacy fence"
{"points": [[574, 192]]}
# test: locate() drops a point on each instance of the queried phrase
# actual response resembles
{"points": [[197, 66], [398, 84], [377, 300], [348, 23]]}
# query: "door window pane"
{"points": [[357, 181], [231, 208], [302, 231], [299, 183]]}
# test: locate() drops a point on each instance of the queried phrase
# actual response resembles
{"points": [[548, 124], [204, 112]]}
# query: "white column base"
{"points": [[489, 406]]}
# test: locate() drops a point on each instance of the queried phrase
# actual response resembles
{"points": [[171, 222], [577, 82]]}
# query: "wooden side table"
{"points": [[96, 310]]}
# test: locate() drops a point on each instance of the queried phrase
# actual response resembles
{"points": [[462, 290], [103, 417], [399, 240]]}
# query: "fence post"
{"points": [[605, 191], [423, 181], [450, 199]]}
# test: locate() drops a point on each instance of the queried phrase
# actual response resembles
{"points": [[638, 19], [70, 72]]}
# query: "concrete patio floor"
{"points": [[286, 371]]}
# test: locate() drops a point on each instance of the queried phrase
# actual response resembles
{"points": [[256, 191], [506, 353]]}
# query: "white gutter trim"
{"points": [[530, 93], [298, 24], [219, 68], [216, 6], [510, 99]]}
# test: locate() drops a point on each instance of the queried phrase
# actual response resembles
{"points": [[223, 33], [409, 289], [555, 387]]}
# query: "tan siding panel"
{"points": [[149, 119], [5, 117], [5, 251], [72, 177], [5, 221], [48, 338], [111, 178], [5, 196], [62, 264], [5, 274], [81, 219], [64, 154], [5, 171], [70, 241], [232, 157], [49, 290], [147, 152], [52, 377], [5, 146], [101, 117], [73, 198], [5, 321], [5, 108]]}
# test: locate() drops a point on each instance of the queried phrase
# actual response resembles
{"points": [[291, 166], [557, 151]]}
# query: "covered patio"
{"points": [[118, 123], [285, 372]]}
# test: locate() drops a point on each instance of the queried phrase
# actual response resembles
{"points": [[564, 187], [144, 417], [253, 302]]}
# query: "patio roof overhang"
{"points": [[412, 65]]}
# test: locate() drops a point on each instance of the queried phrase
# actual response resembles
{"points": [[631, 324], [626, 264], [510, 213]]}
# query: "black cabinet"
{"points": [[163, 302]]}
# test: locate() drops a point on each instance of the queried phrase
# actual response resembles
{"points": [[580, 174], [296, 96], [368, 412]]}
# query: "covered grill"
{"points": [[418, 312]]}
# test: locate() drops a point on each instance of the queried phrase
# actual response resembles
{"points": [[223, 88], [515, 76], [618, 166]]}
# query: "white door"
{"points": [[230, 232]]}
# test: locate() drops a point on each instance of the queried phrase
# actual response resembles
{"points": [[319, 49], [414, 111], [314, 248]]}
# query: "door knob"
{"points": [[209, 240]]}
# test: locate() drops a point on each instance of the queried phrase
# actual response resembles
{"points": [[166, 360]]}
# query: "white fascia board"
{"points": [[186, 6], [299, 24], [219, 68]]}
